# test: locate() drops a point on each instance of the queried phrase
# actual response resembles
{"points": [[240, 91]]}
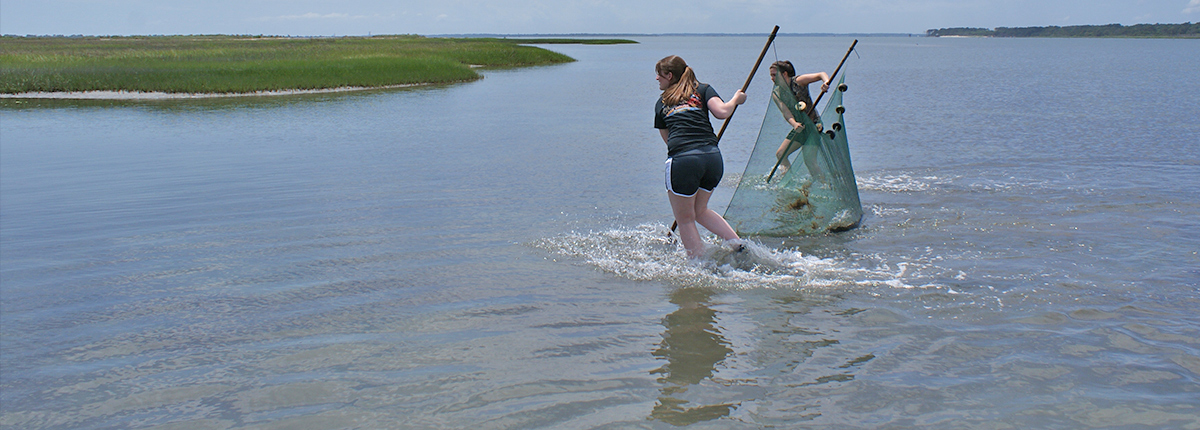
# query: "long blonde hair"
{"points": [[683, 80]]}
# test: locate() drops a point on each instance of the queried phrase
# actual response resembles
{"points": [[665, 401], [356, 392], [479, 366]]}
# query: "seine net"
{"points": [[817, 193]]}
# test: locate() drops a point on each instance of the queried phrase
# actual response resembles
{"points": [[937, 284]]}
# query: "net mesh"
{"points": [[817, 193]]}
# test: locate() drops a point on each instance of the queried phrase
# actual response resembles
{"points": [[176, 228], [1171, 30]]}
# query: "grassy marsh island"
{"points": [[240, 64]]}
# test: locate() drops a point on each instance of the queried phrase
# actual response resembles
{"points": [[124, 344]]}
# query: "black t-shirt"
{"points": [[687, 124]]}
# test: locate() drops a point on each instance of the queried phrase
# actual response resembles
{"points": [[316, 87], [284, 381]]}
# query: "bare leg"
{"points": [[810, 155], [782, 153], [684, 209], [710, 219]]}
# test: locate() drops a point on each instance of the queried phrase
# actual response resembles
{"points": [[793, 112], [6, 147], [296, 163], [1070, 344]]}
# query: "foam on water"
{"points": [[915, 182], [900, 183], [647, 253]]}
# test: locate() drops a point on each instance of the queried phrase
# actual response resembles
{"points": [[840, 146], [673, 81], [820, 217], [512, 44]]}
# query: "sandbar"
{"points": [[154, 95]]}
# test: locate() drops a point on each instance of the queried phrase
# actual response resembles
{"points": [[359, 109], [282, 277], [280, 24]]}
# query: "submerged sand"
{"points": [[148, 95]]}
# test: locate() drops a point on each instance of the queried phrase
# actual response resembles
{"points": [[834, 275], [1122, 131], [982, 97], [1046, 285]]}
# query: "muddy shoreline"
{"points": [[148, 95]]}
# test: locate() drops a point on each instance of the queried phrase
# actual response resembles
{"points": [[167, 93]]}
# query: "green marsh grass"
{"points": [[231, 64]]}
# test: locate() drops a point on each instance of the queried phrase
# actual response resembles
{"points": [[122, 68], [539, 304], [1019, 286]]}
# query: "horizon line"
{"points": [[369, 34], [667, 34]]}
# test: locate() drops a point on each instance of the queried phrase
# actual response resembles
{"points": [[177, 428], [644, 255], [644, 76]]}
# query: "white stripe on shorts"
{"points": [[671, 190]]}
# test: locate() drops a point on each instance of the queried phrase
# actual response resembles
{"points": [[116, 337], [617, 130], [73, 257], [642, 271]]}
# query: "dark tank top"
{"points": [[801, 92]]}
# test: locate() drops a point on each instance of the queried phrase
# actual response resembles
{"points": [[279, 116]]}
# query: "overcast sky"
{"points": [[433, 17]]}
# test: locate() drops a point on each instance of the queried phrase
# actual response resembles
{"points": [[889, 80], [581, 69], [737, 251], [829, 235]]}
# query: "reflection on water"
{"points": [[692, 346]]}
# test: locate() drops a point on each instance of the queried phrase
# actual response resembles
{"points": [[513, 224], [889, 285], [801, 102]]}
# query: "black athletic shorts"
{"points": [[692, 170]]}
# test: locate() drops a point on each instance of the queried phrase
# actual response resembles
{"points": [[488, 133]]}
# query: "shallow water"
{"points": [[494, 254]]}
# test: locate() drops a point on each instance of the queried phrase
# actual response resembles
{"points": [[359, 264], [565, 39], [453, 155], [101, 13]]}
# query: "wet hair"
{"points": [[683, 80], [784, 66]]}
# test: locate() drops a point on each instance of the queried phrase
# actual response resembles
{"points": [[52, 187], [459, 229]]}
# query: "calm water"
{"points": [[492, 254]]}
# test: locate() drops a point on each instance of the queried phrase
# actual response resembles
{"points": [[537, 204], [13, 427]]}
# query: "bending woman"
{"points": [[694, 163], [783, 71]]}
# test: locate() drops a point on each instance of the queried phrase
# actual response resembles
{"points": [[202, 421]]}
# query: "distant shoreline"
{"points": [[572, 35], [1149, 31]]}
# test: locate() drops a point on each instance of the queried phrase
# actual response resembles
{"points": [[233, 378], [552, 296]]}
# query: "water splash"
{"points": [[647, 253]]}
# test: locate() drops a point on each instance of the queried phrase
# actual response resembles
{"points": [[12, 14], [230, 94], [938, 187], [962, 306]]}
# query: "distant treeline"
{"points": [[1185, 30]]}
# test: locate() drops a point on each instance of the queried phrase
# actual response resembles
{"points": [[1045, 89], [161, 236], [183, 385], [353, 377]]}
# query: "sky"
{"points": [[444, 17]]}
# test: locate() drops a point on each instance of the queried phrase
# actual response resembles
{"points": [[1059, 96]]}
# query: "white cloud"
{"points": [[1192, 7]]}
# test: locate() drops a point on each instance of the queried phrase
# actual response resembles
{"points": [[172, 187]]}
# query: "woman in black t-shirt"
{"points": [[694, 166]]}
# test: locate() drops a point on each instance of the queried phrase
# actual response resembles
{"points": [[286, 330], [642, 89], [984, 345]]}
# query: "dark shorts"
{"points": [[691, 171], [795, 134]]}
